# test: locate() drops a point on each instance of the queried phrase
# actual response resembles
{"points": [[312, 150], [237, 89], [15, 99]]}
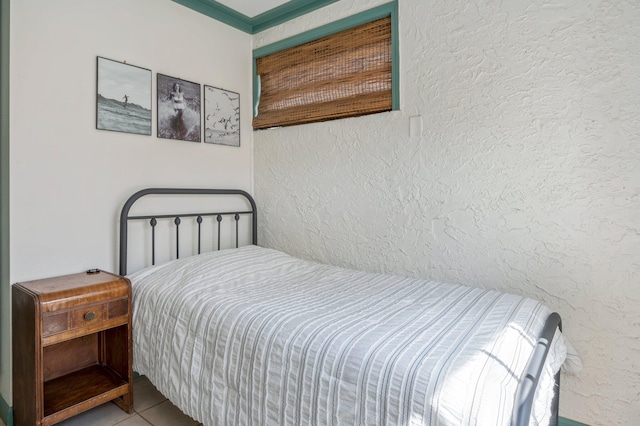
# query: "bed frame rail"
{"points": [[529, 382], [177, 218]]}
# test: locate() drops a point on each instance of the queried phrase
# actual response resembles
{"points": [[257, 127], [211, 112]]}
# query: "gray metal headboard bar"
{"points": [[125, 218]]}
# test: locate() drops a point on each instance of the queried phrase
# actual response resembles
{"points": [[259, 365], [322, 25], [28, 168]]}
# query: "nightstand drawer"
{"points": [[92, 317]]}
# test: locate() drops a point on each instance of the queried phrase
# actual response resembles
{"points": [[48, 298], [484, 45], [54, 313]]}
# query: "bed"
{"points": [[247, 335]]}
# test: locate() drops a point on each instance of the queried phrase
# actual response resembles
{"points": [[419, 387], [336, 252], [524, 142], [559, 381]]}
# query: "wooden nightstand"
{"points": [[71, 346]]}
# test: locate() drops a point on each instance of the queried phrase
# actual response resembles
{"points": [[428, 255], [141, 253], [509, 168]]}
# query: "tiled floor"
{"points": [[150, 408]]}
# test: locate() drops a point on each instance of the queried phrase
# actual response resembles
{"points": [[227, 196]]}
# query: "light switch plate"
{"points": [[415, 126]]}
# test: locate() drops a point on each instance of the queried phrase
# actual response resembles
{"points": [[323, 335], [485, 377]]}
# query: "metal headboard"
{"points": [[125, 218]]}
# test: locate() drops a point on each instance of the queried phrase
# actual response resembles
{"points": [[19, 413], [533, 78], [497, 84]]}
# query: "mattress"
{"points": [[253, 336]]}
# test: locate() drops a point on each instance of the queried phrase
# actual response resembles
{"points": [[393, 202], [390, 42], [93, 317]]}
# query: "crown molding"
{"points": [[268, 19]]}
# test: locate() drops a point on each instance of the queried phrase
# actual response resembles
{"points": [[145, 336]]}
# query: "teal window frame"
{"points": [[383, 11]]}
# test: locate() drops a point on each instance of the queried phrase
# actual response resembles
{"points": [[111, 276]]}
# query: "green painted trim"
{"points": [[286, 12], [273, 17], [566, 422], [389, 9], [256, 89], [6, 412], [5, 287], [220, 13], [395, 57]]}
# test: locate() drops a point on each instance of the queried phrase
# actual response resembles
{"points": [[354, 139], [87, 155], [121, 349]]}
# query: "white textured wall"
{"points": [[526, 177], [69, 180]]}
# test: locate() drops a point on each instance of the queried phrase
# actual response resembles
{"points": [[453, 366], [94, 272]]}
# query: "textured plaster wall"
{"points": [[526, 176]]}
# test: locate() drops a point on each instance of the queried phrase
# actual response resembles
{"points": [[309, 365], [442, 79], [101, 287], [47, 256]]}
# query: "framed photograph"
{"points": [[178, 109], [221, 116], [123, 98]]}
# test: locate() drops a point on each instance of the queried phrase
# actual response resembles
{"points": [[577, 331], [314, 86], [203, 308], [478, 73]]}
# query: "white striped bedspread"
{"points": [[253, 336]]}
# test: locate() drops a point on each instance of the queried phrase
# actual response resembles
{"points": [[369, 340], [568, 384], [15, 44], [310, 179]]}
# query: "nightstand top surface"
{"points": [[72, 285]]}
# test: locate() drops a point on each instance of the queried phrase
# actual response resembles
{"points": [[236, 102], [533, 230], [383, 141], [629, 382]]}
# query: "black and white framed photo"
{"points": [[221, 116], [178, 109], [123, 97]]}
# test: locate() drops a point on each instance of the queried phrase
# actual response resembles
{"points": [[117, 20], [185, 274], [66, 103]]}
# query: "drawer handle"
{"points": [[89, 316]]}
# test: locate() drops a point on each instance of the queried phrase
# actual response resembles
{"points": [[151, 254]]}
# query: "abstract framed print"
{"points": [[221, 116], [178, 109], [123, 100]]}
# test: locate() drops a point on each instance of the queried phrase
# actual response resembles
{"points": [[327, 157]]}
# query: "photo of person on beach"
{"points": [[123, 98], [178, 109]]}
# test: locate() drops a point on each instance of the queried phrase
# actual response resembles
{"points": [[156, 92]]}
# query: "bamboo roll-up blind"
{"points": [[342, 75]]}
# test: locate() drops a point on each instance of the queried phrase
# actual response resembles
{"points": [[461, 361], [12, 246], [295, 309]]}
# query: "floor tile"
{"points": [[107, 414], [167, 414], [145, 395], [135, 420]]}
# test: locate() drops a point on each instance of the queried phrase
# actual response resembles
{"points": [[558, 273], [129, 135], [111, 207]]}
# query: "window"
{"points": [[346, 71]]}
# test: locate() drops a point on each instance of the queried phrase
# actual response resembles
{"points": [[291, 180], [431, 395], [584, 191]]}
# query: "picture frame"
{"points": [[222, 116], [178, 109], [123, 97]]}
